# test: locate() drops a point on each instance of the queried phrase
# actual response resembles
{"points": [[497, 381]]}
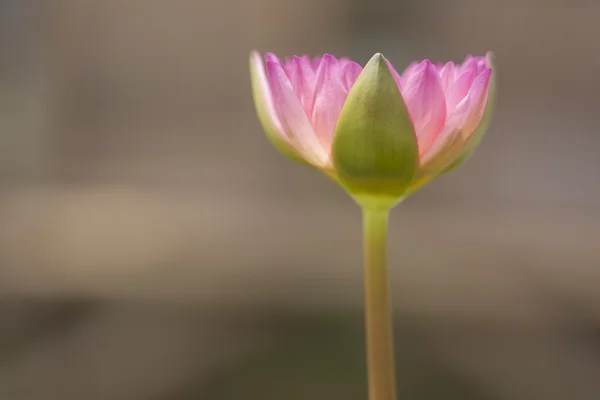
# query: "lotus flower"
{"points": [[381, 135], [300, 100]]}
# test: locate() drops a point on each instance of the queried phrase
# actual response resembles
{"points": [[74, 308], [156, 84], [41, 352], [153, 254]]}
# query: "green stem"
{"points": [[380, 348]]}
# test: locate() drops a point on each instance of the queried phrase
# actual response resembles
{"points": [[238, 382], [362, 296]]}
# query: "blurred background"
{"points": [[153, 244]]}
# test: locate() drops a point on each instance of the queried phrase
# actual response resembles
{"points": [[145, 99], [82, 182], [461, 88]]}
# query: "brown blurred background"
{"points": [[153, 245]]}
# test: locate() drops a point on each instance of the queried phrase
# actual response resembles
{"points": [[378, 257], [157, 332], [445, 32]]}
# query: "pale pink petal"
{"points": [[426, 103], [447, 75], [476, 64], [470, 64], [459, 90], [266, 97], [307, 60], [478, 99], [270, 57], [287, 67], [410, 70], [462, 124], [482, 64], [344, 60], [293, 119], [350, 72], [456, 120], [315, 62], [470, 109], [303, 80], [329, 100]]}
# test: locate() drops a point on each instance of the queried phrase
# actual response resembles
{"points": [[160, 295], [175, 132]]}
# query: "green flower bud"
{"points": [[374, 151]]}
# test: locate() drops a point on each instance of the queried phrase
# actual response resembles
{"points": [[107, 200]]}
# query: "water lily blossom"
{"points": [[381, 135], [304, 104]]}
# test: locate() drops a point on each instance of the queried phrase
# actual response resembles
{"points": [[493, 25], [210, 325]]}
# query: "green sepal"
{"points": [[374, 150]]}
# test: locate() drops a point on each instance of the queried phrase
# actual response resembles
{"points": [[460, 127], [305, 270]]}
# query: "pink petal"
{"points": [[271, 57], [315, 62], [329, 100], [266, 97], [307, 60], [482, 64], [426, 103], [470, 64], [471, 107], [463, 123], [350, 73], [410, 70], [293, 119], [459, 90], [478, 100], [303, 80], [447, 75], [343, 61]]}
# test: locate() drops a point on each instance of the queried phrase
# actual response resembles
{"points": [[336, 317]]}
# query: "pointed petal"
{"points": [[458, 132], [262, 93], [478, 97], [303, 80], [485, 120], [481, 65], [426, 103], [271, 57], [410, 70], [293, 119], [470, 64], [349, 74], [433, 166], [330, 96], [447, 76], [265, 109], [459, 90]]}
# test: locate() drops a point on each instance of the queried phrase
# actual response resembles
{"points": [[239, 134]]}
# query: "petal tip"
{"points": [[427, 67], [256, 57], [328, 57], [274, 70], [486, 74], [271, 57]]}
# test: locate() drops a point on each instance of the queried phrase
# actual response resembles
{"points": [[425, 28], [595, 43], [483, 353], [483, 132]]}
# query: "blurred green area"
{"points": [[320, 356]]}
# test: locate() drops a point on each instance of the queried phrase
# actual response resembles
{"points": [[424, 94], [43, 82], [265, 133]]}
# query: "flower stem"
{"points": [[380, 347]]}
